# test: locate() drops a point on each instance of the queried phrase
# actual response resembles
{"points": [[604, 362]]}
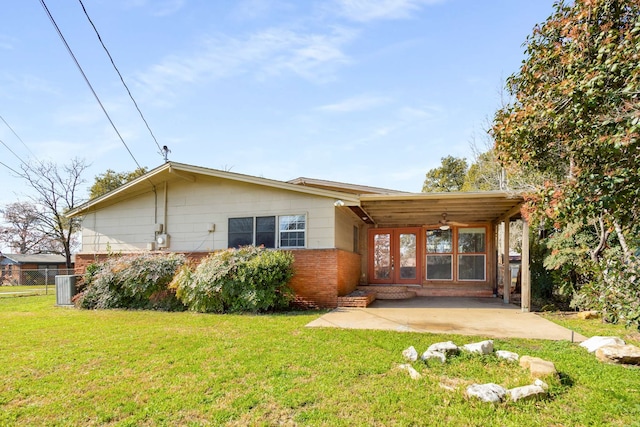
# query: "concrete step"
{"points": [[395, 295], [389, 292]]}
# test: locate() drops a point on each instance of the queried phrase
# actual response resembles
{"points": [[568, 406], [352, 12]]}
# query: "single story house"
{"points": [[30, 269], [343, 236]]}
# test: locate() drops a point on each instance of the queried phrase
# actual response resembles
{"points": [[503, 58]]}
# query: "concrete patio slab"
{"points": [[487, 317]]}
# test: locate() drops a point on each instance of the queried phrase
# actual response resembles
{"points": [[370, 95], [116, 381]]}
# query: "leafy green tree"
{"points": [[575, 117], [446, 178], [110, 180], [484, 174], [575, 120]]}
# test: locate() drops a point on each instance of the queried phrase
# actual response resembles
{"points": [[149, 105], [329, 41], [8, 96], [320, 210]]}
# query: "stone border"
{"points": [[492, 393]]}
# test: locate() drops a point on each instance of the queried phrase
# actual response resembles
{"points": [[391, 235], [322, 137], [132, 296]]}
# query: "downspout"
{"points": [[155, 205], [165, 207]]}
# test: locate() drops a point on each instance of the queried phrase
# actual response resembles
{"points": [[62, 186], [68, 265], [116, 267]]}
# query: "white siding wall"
{"points": [[127, 226], [192, 206], [345, 221]]}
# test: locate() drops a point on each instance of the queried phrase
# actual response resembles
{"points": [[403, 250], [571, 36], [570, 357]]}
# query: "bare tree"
{"points": [[57, 192], [23, 231]]}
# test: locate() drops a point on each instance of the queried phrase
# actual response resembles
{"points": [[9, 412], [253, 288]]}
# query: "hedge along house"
{"points": [[342, 236]]}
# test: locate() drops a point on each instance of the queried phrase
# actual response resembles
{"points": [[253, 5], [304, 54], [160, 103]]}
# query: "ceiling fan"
{"points": [[446, 224]]}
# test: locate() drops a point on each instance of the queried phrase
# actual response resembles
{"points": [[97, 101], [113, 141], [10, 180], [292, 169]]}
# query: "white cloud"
{"points": [[369, 10], [356, 103], [272, 52]]}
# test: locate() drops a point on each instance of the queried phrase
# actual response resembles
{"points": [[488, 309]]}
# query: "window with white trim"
{"points": [[472, 254], [439, 255], [292, 231], [286, 231]]}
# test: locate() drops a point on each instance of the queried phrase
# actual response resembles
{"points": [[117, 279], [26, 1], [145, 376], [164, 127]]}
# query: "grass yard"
{"points": [[61, 366], [13, 291]]}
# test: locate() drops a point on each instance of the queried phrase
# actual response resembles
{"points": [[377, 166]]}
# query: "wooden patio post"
{"points": [[506, 270], [525, 273]]}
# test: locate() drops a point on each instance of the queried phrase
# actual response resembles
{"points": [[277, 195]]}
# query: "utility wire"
{"points": [[120, 75], [11, 169], [17, 136], [86, 79], [13, 152]]}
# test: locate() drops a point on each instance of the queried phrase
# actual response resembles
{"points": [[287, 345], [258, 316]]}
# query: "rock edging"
{"points": [[612, 350], [490, 392]]}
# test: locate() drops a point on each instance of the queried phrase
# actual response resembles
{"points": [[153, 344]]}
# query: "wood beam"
{"points": [[525, 272], [506, 270], [514, 211]]}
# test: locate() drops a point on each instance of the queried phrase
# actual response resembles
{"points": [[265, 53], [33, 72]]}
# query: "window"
{"points": [[261, 231], [462, 250], [266, 231], [439, 255], [471, 254], [240, 232], [292, 231]]}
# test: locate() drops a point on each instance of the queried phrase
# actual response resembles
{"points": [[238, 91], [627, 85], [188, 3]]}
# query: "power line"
{"points": [[13, 152], [121, 78], [86, 79], [17, 136], [11, 169]]}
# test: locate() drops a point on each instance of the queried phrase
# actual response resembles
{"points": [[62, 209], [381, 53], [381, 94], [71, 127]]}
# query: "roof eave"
{"points": [[172, 167]]}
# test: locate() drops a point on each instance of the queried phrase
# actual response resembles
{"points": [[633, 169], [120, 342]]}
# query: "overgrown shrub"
{"points": [[236, 280], [133, 281], [615, 292]]}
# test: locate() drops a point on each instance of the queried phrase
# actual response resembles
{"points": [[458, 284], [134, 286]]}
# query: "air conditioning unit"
{"points": [[65, 289], [162, 241]]}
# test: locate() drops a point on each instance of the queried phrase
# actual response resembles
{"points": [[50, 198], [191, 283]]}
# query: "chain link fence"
{"points": [[33, 277], [18, 281]]}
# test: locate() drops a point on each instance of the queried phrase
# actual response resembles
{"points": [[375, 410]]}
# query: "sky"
{"points": [[372, 92]]}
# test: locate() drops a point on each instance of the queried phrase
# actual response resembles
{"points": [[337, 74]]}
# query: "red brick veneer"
{"points": [[322, 275]]}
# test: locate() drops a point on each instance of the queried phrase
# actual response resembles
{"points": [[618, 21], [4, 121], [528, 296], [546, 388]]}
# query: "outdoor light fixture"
{"points": [[444, 227], [338, 203]]}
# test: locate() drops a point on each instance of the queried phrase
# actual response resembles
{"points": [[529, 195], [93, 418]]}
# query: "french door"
{"points": [[395, 255]]}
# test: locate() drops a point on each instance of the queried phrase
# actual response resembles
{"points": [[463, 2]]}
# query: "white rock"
{"points": [[410, 354], [594, 343], [487, 392], [447, 347], [526, 392], [430, 354], [542, 384], [412, 372], [624, 354], [482, 347], [508, 355]]}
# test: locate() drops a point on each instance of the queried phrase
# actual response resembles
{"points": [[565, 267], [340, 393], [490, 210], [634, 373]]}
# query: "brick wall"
{"points": [[324, 274], [348, 272], [321, 275]]}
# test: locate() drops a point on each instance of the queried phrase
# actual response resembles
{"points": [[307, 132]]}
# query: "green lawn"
{"points": [[61, 366], [13, 291]]}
